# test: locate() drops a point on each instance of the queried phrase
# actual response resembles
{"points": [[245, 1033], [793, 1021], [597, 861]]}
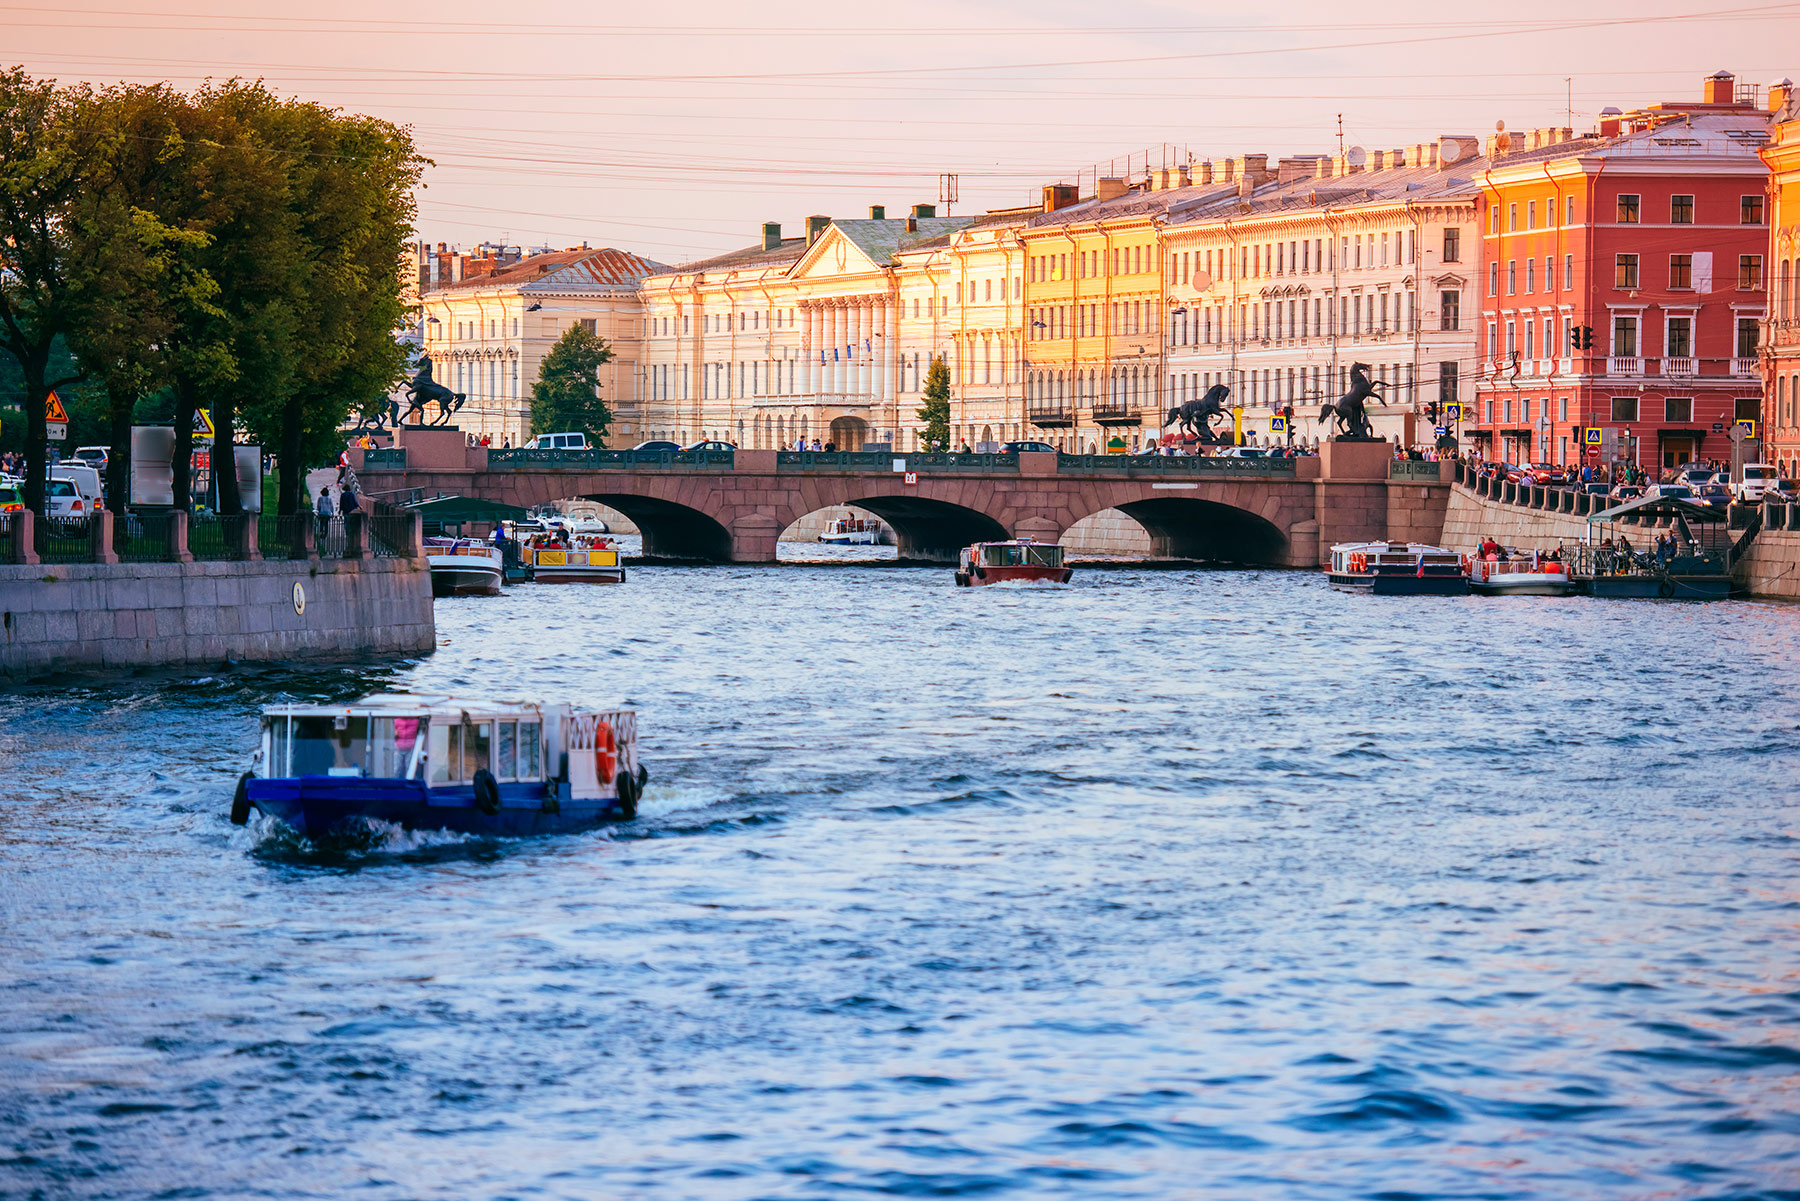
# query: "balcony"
{"points": [[1051, 417], [1111, 415], [1679, 365], [1623, 365], [1744, 368]]}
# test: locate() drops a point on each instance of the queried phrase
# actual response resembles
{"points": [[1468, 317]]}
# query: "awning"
{"points": [[455, 510], [1661, 506], [1480, 435], [1518, 433]]}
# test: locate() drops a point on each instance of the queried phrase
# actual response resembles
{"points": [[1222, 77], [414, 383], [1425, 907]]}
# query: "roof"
{"points": [[787, 251], [1392, 186], [406, 704], [566, 269], [1737, 135], [880, 239], [1659, 506], [452, 510]]}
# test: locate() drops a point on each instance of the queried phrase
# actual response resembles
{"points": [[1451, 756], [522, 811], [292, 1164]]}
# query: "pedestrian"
{"points": [[349, 502], [324, 509]]}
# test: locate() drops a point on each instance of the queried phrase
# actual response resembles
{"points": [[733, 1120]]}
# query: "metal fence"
{"points": [[601, 460], [390, 532], [279, 537], [384, 458], [329, 537], [9, 538], [142, 537], [835, 460], [1177, 465], [65, 540]]}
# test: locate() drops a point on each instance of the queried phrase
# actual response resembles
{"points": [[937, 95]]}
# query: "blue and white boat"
{"points": [[443, 763]]}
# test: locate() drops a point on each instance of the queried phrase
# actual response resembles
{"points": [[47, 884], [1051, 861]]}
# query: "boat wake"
{"points": [[357, 840]]}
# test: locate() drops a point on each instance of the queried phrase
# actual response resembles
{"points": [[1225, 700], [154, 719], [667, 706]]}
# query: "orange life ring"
{"points": [[1465, 564], [606, 758]]}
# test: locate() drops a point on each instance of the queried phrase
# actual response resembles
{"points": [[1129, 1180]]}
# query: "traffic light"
{"points": [[1288, 412], [1587, 337], [1574, 337], [1431, 412]]}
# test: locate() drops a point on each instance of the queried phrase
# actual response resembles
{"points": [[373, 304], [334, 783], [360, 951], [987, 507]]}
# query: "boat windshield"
{"points": [[1027, 555], [343, 745]]}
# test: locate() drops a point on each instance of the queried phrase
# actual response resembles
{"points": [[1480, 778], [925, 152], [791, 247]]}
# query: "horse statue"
{"points": [[1196, 416], [1352, 417], [377, 417], [423, 390]]}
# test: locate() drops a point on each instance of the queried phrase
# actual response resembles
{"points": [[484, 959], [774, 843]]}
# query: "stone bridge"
{"points": [[732, 506]]}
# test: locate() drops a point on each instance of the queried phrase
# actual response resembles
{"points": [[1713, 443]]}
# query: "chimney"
{"points": [[1292, 170], [924, 210], [1109, 187], [1060, 196], [1246, 185], [1226, 170], [1610, 117], [1183, 177], [1779, 96], [815, 226], [1322, 167], [878, 212], [1253, 166], [771, 234], [1203, 172], [1719, 88], [912, 225], [1378, 160], [1453, 148]]}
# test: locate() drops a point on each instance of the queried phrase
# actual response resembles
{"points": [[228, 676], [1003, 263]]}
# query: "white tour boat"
{"points": [[852, 531], [1397, 569], [1520, 575], [464, 566]]}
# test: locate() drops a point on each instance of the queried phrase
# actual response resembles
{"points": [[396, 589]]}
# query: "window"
{"points": [[1681, 337], [1450, 310], [1569, 271], [1531, 215], [1749, 272], [1747, 408], [1512, 217], [1452, 244], [1493, 220], [1624, 408], [1746, 337], [1447, 381], [1562, 409], [1625, 341], [1512, 277], [1681, 271], [1530, 275], [1628, 209], [1678, 409], [1493, 279], [1625, 271], [1750, 210], [1681, 210]]}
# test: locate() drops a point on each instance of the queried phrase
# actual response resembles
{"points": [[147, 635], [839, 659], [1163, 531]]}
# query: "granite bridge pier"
{"points": [[732, 506]]}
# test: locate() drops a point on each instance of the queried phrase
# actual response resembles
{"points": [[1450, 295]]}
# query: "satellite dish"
{"points": [[1356, 156], [1499, 127]]}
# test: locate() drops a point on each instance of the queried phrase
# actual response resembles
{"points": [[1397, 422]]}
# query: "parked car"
{"points": [[87, 481], [1758, 479], [712, 444], [1677, 491], [1013, 448], [1694, 476], [92, 456], [661, 444], [570, 441], [12, 498], [65, 500], [1242, 452], [1717, 495], [1597, 489], [1624, 492]]}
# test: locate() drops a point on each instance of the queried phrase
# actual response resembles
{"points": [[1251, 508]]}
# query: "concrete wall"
{"points": [[97, 616], [1772, 566]]}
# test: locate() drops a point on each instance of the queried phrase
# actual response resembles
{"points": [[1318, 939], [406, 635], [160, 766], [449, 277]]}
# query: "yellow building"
{"points": [[487, 336], [1781, 327]]}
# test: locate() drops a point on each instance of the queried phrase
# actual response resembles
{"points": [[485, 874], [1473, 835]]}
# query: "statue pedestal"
{"points": [[1355, 460], [433, 447]]}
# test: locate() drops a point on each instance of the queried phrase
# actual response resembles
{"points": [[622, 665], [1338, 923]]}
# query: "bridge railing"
{"points": [[1409, 470], [601, 460], [1176, 465], [834, 460], [384, 458]]}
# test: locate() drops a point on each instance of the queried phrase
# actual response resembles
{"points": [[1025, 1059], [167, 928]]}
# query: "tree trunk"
{"points": [[184, 444], [37, 452], [118, 466], [293, 471], [225, 467]]}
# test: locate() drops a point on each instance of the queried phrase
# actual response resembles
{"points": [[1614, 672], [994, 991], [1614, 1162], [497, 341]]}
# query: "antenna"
{"points": [[1569, 101], [947, 192], [1340, 117]]}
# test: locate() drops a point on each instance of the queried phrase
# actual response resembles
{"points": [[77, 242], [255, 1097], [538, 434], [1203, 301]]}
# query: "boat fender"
{"points": [[628, 790], [643, 778], [487, 792], [240, 801], [1665, 588]]}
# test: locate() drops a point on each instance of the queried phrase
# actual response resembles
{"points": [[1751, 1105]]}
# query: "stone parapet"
{"points": [[94, 616]]}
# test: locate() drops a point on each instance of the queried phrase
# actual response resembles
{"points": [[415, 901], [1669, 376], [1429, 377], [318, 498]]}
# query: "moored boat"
{"points": [[1520, 575], [464, 566], [852, 531], [1397, 569], [441, 763], [587, 560], [1018, 561]]}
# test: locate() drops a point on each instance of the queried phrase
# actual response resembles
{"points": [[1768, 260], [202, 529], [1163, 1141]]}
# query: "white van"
{"points": [[65, 501], [1758, 479], [86, 480], [560, 442]]}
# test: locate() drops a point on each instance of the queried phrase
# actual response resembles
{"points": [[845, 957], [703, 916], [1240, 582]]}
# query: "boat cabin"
{"points": [[1012, 554]]}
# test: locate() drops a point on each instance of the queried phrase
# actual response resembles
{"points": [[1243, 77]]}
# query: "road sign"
{"points": [[1591, 436], [1453, 412], [1278, 425], [911, 477], [1718, 427], [203, 426], [1748, 426], [53, 409], [1442, 431], [56, 431]]}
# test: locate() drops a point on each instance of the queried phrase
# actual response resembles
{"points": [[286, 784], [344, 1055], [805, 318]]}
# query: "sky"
{"points": [[676, 131]]}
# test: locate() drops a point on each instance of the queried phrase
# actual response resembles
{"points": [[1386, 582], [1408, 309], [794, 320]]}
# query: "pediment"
{"points": [[833, 255]]}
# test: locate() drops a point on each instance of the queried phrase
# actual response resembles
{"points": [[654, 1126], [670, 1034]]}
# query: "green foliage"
{"points": [[566, 396], [936, 413]]}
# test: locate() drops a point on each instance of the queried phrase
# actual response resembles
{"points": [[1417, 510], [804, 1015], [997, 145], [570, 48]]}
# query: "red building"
{"points": [[1623, 286]]}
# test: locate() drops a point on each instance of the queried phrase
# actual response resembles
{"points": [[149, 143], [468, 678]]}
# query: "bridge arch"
{"points": [[671, 530], [1198, 527], [925, 528]]}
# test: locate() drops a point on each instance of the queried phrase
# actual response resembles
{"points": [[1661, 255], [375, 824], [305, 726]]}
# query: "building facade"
{"points": [[1623, 287], [1781, 332], [487, 335]]}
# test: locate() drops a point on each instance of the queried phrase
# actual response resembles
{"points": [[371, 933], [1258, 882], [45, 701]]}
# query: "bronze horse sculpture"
{"points": [[1351, 414], [1196, 416], [423, 390]]}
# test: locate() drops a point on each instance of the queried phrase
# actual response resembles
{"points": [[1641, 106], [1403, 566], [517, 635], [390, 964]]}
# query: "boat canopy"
{"points": [[1658, 507], [442, 511], [1020, 554]]}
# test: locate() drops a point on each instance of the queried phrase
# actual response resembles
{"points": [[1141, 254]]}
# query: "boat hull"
{"points": [[1400, 584], [464, 579], [1642, 587], [982, 576], [862, 539], [1545, 586], [314, 806], [579, 575]]}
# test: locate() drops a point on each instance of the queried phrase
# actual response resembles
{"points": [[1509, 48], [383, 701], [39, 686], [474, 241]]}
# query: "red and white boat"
{"points": [[1520, 575], [1018, 561]]}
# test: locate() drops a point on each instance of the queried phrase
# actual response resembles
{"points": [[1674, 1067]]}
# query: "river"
{"points": [[1165, 884]]}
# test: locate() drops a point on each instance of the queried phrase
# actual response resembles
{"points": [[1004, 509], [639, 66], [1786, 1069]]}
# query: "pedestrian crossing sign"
{"points": [[1747, 427], [1591, 436], [53, 409], [1453, 412], [1278, 425]]}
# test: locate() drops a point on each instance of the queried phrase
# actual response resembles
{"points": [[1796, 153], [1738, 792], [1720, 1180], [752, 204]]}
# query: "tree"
{"points": [[936, 413], [51, 142], [566, 396]]}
